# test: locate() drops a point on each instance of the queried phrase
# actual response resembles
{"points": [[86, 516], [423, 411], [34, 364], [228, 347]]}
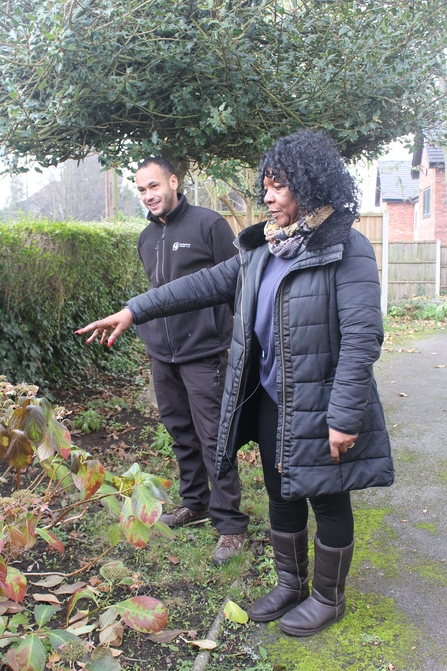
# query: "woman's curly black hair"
{"points": [[310, 163]]}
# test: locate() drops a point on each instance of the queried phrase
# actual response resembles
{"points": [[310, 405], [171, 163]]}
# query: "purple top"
{"points": [[274, 272]]}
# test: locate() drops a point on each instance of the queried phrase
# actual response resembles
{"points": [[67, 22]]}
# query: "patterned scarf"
{"points": [[291, 241]]}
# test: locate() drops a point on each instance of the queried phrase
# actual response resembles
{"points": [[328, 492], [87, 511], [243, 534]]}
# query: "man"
{"points": [[189, 353]]}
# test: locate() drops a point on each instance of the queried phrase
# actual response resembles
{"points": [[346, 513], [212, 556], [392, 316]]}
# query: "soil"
{"points": [[117, 445]]}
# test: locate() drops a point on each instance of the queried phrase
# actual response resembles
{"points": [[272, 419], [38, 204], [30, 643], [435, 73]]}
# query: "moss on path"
{"points": [[396, 591]]}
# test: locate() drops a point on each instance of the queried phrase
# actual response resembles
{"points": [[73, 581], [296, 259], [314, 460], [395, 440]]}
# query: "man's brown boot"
{"points": [[228, 546], [291, 561], [327, 603], [180, 516]]}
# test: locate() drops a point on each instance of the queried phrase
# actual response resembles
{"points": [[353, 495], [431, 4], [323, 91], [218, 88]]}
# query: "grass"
{"points": [[431, 528], [375, 635]]}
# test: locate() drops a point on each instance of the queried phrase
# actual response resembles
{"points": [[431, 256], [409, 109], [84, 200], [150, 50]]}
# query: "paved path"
{"points": [[418, 428], [408, 559]]}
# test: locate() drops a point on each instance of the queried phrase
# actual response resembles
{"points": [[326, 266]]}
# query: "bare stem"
{"points": [[90, 564]]}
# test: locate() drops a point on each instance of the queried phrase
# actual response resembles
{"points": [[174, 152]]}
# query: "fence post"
{"points": [[384, 296], [438, 268]]}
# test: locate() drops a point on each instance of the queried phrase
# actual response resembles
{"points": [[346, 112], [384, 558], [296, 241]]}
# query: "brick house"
{"points": [[430, 217], [396, 193]]}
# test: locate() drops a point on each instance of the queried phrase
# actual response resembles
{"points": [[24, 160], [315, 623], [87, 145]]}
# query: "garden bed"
{"points": [[118, 431]]}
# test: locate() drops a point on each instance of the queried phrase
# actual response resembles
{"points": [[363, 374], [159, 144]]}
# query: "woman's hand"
{"points": [[340, 443], [115, 325]]}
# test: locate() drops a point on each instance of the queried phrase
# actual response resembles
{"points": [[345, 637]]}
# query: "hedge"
{"points": [[55, 277]]}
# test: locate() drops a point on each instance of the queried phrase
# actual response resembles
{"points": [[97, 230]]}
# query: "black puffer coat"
{"points": [[328, 333]]}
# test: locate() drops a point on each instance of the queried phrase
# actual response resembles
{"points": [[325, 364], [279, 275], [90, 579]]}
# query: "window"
{"points": [[426, 204]]}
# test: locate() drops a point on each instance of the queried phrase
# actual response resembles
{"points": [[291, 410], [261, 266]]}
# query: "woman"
{"points": [[307, 331]]}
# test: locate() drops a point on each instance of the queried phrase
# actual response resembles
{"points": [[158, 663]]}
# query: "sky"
{"points": [[365, 174], [35, 181]]}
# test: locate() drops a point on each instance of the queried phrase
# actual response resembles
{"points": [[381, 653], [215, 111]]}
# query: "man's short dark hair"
{"points": [[162, 163]]}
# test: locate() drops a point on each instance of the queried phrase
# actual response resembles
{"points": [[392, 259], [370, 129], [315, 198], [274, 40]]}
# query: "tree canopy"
{"points": [[214, 80]]}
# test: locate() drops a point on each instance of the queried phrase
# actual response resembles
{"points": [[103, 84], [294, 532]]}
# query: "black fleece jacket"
{"points": [[191, 239]]}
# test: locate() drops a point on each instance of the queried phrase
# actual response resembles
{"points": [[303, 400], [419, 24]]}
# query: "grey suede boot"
{"points": [[291, 561], [327, 603]]}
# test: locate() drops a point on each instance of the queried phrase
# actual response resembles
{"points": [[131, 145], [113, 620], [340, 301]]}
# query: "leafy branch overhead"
{"points": [[216, 79]]}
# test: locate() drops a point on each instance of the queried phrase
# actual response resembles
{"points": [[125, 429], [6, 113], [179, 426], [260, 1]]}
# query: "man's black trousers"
{"points": [[189, 397]]}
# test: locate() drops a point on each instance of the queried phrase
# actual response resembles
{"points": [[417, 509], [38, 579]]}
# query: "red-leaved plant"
{"points": [[32, 433]]}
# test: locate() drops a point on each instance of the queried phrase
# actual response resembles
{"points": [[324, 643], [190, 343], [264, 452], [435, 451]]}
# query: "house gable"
{"points": [[396, 191], [432, 205]]}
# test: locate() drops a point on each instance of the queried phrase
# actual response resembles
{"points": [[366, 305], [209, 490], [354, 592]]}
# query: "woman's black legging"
{"points": [[333, 512]]}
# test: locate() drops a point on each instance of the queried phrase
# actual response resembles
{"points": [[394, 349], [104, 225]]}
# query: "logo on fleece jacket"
{"points": [[179, 245]]}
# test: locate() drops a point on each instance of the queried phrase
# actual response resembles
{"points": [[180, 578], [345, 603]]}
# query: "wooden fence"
{"points": [[412, 268], [406, 269], [371, 225]]}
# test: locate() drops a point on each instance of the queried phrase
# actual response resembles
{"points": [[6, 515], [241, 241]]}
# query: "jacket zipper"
{"points": [[157, 262], [165, 322], [281, 452]]}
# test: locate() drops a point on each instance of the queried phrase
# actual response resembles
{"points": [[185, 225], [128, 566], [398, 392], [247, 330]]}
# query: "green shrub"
{"points": [[55, 277], [96, 414], [418, 308], [163, 442], [89, 421]]}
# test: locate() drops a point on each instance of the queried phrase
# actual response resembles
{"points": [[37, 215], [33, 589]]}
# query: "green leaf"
{"points": [[146, 508], [157, 486], [28, 656], [110, 503], [34, 424], [163, 529], [46, 409], [43, 613], [56, 470], [52, 540], [18, 620], [143, 613], [80, 594], [234, 613], [134, 531], [133, 473], [59, 437], [114, 534]]}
